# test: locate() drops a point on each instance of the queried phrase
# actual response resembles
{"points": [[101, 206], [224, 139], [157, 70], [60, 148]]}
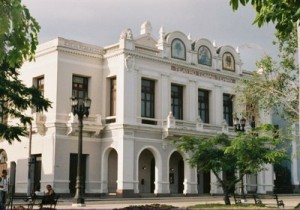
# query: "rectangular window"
{"points": [[113, 96], [177, 101], [203, 105], [147, 100], [40, 84], [80, 87], [227, 109]]}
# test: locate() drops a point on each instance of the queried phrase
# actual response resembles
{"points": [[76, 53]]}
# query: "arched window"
{"points": [[204, 56], [228, 61], [178, 49]]}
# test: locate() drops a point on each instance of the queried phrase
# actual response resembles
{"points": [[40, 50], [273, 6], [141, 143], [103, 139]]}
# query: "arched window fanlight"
{"points": [[228, 61], [204, 56], [178, 50]]}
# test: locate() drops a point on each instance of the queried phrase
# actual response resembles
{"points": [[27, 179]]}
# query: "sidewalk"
{"points": [[290, 202]]}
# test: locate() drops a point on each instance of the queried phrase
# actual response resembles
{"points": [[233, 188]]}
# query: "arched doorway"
{"points": [[3, 159], [112, 171], [146, 172], [176, 173]]}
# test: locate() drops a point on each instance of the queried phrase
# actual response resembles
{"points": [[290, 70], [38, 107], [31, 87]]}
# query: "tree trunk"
{"points": [[224, 188], [242, 186], [227, 199]]}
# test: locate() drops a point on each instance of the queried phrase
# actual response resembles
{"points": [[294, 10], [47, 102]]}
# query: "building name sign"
{"points": [[202, 74]]}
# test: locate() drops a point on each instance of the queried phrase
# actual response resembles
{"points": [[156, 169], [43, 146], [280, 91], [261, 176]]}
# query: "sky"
{"points": [[100, 22]]}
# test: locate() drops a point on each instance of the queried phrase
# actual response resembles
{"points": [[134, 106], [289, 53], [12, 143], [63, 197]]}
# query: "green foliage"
{"points": [[207, 153], [284, 13], [246, 153], [276, 85], [18, 33], [18, 42], [257, 147], [150, 207], [222, 206]]}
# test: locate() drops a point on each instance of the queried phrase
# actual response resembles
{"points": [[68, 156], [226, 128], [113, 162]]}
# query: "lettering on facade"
{"points": [[202, 74]]}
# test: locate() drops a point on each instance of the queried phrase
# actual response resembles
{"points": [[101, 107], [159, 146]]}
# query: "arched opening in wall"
{"points": [[146, 170], [3, 160], [176, 173], [203, 182], [112, 171]]}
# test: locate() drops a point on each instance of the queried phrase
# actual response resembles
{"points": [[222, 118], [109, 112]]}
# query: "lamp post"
{"points": [[31, 162], [81, 108], [239, 124]]}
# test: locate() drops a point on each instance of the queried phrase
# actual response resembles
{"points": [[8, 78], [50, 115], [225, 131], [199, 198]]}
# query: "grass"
{"points": [[199, 206], [148, 207], [223, 206]]}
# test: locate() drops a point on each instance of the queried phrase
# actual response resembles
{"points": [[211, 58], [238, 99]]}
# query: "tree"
{"points": [[246, 154], [18, 42], [255, 148], [284, 13], [275, 86]]}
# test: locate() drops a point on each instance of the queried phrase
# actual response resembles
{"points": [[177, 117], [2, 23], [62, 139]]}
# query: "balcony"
{"points": [[92, 125]]}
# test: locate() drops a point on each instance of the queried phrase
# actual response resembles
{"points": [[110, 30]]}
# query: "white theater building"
{"points": [[145, 92]]}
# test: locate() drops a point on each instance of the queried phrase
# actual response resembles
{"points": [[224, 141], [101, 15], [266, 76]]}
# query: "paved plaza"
{"points": [[182, 202]]}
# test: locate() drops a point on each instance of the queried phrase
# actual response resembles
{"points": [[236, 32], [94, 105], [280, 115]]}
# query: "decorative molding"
{"points": [[126, 34], [129, 62], [202, 74]]}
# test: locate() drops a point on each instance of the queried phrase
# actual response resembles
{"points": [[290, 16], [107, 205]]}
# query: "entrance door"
{"points": [[37, 172], [180, 176], [206, 182], [73, 172], [152, 176]]}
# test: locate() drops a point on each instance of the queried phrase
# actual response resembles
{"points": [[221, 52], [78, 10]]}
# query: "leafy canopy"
{"points": [[18, 42], [275, 86], [283, 13], [246, 153]]}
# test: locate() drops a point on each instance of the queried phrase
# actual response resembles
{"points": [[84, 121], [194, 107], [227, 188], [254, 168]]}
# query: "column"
{"points": [[190, 181], [126, 176]]}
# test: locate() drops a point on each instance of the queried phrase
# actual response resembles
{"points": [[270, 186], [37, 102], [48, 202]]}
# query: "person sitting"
{"points": [[49, 195]]}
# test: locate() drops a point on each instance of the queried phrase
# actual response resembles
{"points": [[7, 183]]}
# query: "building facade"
{"points": [[145, 92]]}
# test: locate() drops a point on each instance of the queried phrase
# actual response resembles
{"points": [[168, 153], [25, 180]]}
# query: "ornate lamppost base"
{"points": [[78, 202]]}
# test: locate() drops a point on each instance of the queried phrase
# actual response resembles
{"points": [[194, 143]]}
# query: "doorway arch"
{"points": [[176, 173], [112, 172], [146, 172]]}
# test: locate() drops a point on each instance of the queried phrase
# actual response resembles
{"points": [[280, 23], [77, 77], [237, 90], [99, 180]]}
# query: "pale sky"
{"points": [[101, 22]]}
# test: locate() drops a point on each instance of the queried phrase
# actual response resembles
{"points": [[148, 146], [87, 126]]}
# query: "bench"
{"points": [[272, 196], [30, 201], [238, 199], [51, 201], [18, 200]]}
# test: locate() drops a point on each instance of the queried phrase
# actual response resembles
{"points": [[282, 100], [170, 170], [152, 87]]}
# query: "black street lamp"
{"points": [[239, 124], [81, 108]]}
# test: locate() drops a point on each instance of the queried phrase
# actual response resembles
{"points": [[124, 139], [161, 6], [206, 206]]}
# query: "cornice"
{"points": [[70, 46]]}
